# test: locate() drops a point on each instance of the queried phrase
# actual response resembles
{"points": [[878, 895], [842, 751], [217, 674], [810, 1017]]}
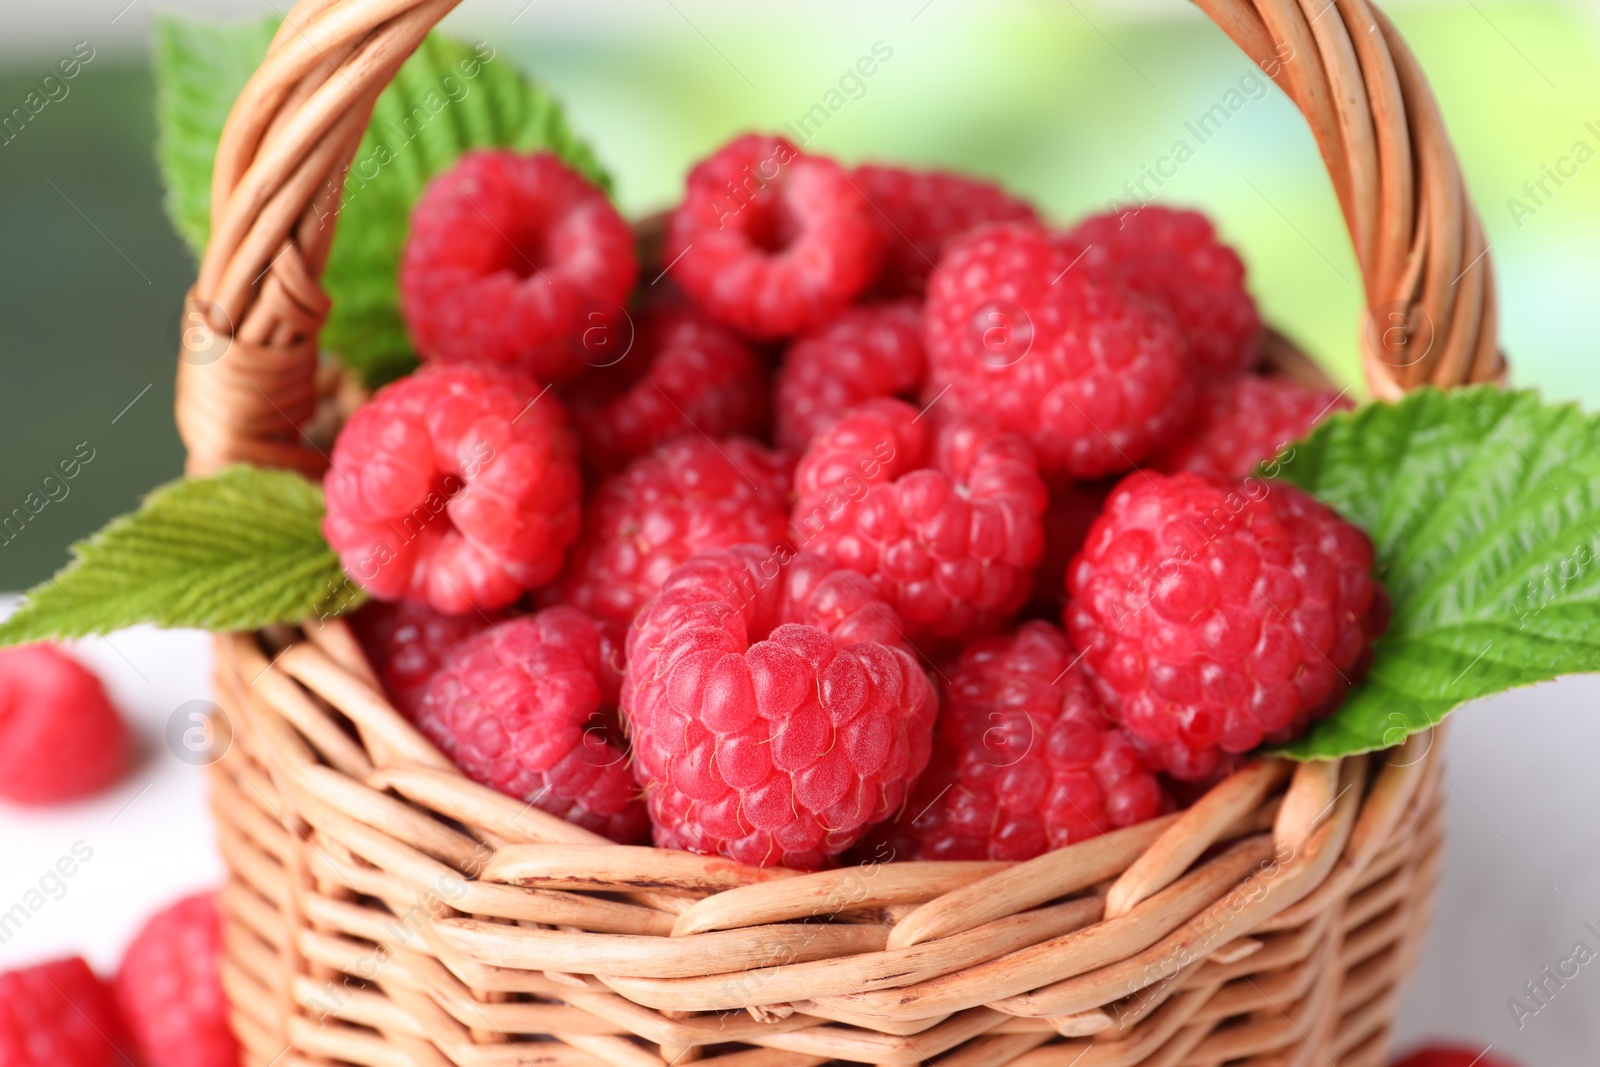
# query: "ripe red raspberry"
{"points": [[868, 351], [457, 487], [58, 1014], [775, 714], [528, 707], [1452, 1056], [923, 209], [1217, 615], [1025, 760], [505, 255], [688, 496], [170, 992], [1245, 421], [683, 374], [61, 738], [772, 241], [1174, 257], [1095, 377], [406, 642], [947, 523]]}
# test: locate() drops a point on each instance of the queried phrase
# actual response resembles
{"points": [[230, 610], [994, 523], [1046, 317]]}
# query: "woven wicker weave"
{"points": [[383, 910]]}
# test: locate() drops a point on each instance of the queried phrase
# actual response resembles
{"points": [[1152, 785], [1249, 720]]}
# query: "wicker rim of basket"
{"points": [[639, 938]]}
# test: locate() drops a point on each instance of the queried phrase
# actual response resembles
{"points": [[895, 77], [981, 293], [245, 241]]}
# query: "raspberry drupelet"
{"points": [[1175, 258], [61, 737], [923, 210], [1217, 615], [869, 351], [770, 240], [1095, 376], [774, 711], [457, 487], [1025, 760], [949, 526], [169, 988], [1245, 421], [405, 642], [684, 374], [58, 1014], [505, 256], [528, 707], [688, 496]]}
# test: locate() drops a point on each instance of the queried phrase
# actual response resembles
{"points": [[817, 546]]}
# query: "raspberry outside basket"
{"points": [[383, 910]]}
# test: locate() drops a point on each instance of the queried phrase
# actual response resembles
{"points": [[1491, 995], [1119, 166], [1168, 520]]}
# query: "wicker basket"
{"points": [[383, 910]]}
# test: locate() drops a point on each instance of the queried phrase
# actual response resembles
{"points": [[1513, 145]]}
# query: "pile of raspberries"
{"points": [[873, 516]]}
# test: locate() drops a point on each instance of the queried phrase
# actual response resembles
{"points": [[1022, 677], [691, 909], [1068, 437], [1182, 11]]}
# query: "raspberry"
{"points": [[683, 374], [949, 528], [58, 1014], [1452, 1056], [1024, 758], [771, 241], [457, 487], [1245, 421], [1094, 376], [1174, 257], [406, 642], [869, 351], [170, 992], [923, 209], [775, 714], [528, 707], [61, 738], [506, 254], [690, 495], [1217, 615]]}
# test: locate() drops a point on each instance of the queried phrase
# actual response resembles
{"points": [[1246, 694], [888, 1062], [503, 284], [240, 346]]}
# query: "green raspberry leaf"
{"points": [[1485, 508], [236, 551], [447, 98], [200, 68]]}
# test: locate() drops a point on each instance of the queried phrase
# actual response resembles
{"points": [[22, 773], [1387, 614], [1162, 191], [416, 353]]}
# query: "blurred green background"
{"points": [[1063, 101]]}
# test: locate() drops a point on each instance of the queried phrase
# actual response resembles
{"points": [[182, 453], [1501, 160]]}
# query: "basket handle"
{"points": [[247, 375]]}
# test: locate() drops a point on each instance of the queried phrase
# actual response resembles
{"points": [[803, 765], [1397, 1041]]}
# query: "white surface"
{"points": [[1521, 879], [151, 836]]}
